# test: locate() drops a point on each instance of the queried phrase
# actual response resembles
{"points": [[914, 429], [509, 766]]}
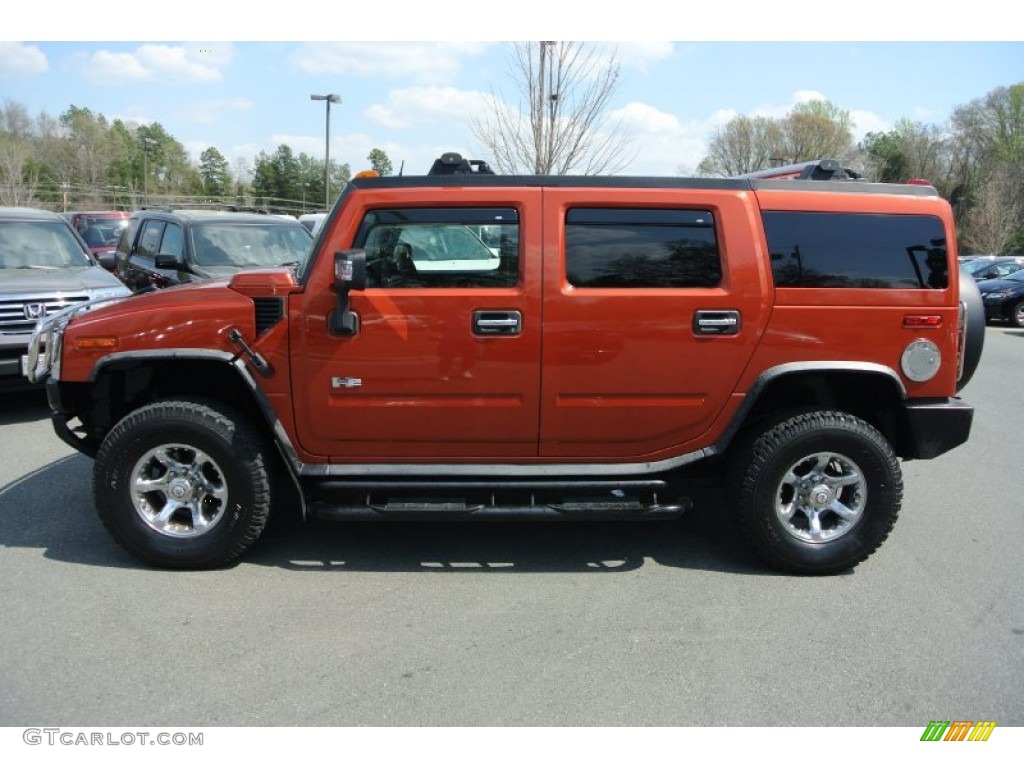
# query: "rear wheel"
{"points": [[183, 484], [817, 492]]}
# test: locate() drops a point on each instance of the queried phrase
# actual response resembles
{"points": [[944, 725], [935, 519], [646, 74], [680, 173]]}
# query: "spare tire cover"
{"points": [[974, 341]]}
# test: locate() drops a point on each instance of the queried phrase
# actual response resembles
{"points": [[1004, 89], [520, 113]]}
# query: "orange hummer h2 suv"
{"points": [[466, 344]]}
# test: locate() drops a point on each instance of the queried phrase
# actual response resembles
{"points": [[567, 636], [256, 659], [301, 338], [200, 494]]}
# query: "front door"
{"points": [[445, 365]]}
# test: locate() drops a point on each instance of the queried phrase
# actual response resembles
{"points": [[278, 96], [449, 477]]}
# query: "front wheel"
{"points": [[183, 484], [1017, 314], [817, 492]]}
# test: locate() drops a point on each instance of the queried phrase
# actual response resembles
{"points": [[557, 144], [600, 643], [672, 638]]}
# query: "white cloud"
{"points": [[191, 62], [663, 143], [406, 107], [423, 62], [640, 54], [20, 60], [865, 121]]}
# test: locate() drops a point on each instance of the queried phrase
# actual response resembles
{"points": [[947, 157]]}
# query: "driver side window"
{"points": [[441, 247]]}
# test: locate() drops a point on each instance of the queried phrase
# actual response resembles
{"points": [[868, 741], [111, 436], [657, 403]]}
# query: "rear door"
{"points": [[653, 303]]}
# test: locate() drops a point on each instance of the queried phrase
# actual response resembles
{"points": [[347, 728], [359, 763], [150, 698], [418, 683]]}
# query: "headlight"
{"points": [[995, 295], [114, 292]]}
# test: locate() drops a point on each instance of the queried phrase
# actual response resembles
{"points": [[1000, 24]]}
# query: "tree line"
{"points": [[82, 160], [975, 159]]}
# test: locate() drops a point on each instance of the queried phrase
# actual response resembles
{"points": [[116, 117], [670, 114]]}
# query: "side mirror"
{"points": [[108, 260], [167, 261], [350, 270], [349, 275]]}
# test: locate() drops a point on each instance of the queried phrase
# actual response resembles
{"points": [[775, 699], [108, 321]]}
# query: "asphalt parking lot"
{"points": [[655, 623]]}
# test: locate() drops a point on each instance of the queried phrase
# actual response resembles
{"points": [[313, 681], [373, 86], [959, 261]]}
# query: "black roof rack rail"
{"points": [[230, 207], [451, 163], [812, 170]]}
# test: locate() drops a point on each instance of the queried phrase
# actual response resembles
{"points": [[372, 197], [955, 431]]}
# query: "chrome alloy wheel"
{"points": [[821, 497], [178, 491]]}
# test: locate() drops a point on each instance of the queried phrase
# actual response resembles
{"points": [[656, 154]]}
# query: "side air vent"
{"points": [[268, 312]]}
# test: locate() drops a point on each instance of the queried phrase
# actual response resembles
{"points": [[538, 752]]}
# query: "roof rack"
{"points": [[451, 163], [205, 207], [813, 170]]}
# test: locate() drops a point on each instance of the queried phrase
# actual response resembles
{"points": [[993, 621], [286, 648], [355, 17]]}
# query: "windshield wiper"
{"points": [[35, 266]]}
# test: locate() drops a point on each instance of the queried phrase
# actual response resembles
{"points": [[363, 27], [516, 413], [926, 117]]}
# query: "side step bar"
{"points": [[424, 509]]}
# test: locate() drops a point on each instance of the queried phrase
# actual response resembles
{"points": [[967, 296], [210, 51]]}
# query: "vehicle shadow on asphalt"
{"points": [[51, 509], [704, 539], [23, 406]]}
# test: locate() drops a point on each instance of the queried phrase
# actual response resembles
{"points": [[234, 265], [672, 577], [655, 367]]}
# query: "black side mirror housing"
{"points": [[167, 261], [349, 275], [108, 260]]}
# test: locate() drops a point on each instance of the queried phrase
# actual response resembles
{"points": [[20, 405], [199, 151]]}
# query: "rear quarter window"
{"points": [[856, 250]]}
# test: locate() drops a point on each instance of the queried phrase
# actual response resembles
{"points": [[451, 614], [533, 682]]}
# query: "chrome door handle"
{"points": [[489, 322]]}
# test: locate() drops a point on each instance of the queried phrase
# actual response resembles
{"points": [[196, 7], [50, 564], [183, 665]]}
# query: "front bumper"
{"points": [[935, 426]]}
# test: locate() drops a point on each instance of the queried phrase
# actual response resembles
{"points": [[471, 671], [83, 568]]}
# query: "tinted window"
{"points": [[173, 243], [441, 247], [149, 241], [637, 248], [856, 250]]}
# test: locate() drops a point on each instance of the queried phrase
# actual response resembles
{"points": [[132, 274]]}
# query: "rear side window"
{"points": [[856, 250], [441, 247], [641, 248]]}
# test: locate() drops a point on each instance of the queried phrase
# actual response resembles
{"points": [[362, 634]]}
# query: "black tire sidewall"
{"points": [[883, 497], [112, 488]]}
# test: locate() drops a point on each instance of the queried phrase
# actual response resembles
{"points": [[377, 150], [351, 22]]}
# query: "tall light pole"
{"points": [[330, 98], [145, 168]]}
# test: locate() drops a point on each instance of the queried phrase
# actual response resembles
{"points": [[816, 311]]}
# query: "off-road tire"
{"points": [[236, 462], [761, 481]]}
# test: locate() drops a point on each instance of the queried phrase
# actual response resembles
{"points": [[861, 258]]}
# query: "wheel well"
{"points": [[873, 397], [122, 387]]}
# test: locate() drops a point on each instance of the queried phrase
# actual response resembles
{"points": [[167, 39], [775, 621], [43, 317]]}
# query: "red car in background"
{"points": [[101, 231]]}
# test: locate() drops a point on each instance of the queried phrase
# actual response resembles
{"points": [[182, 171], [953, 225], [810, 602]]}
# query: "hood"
{"points": [[68, 280], [218, 272]]}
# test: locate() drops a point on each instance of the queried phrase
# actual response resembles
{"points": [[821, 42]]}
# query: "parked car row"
{"points": [[991, 267], [49, 261]]}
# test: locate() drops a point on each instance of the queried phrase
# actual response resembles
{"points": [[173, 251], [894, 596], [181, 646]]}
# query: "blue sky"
{"points": [[416, 99]]}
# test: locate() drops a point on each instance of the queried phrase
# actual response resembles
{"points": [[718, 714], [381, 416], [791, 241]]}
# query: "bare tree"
{"points": [[19, 176], [995, 218], [560, 124], [743, 145], [814, 130]]}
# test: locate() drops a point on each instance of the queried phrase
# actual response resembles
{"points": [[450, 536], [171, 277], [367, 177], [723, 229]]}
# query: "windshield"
{"points": [[100, 232], [223, 244], [40, 245], [1017, 277]]}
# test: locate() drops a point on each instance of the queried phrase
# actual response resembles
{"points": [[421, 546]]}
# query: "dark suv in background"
{"points": [[164, 247]]}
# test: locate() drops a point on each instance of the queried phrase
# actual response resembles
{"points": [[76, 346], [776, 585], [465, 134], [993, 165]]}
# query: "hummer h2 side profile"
{"points": [[466, 344]]}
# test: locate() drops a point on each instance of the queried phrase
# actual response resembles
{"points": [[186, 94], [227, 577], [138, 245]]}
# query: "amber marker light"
{"points": [[85, 343]]}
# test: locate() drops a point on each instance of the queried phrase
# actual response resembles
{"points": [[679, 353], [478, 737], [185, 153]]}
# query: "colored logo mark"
{"points": [[958, 730]]}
